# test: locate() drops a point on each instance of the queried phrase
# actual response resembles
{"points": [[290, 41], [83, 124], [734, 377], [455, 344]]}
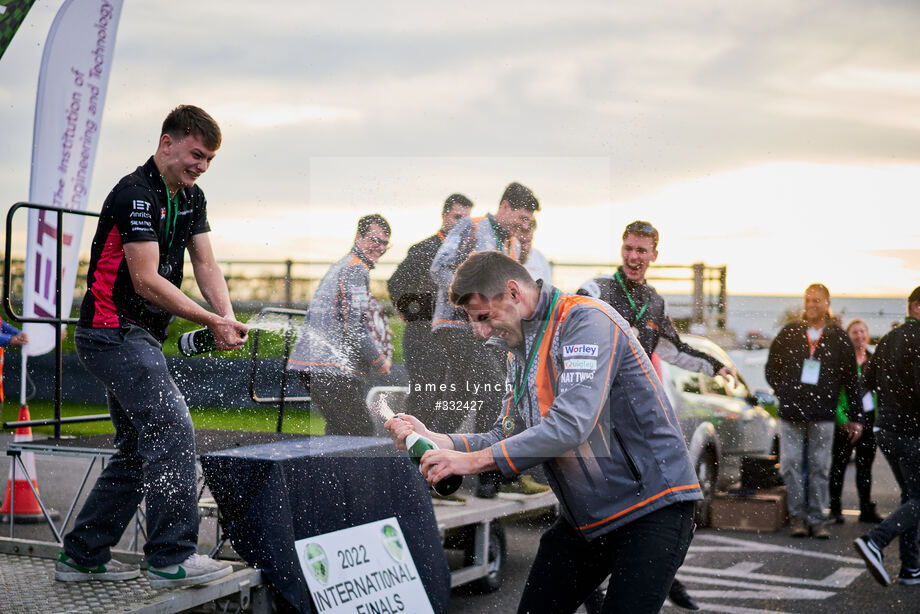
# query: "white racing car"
{"points": [[723, 422]]}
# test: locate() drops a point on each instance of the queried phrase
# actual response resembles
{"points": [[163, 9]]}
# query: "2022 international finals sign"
{"points": [[366, 569]]}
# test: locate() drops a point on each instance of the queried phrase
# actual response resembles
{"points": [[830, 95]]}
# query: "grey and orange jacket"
{"points": [[334, 337], [593, 412], [467, 236]]}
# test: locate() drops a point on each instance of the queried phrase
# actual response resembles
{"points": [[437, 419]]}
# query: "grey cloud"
{"points": [[667, 91]]}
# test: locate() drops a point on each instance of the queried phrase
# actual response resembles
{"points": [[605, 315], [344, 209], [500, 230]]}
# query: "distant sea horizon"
{"points": [[766, 313]]}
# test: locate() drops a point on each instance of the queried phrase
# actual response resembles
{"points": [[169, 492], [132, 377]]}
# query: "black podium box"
{"points": [[273, 494]]}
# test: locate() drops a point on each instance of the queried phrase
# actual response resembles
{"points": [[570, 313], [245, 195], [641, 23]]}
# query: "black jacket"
{"points": [[137, 209], [411, 288], [799, 402], [894, 372], [650, 321]]}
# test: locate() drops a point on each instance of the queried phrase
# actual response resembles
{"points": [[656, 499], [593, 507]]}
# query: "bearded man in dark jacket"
{"points": [[809, 361]]}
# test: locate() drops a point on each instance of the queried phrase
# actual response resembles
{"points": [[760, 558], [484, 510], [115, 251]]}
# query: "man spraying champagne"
{"points": [[583, 401]]}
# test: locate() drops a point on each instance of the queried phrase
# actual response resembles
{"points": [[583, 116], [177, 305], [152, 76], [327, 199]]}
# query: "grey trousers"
{"points": [[341, 400], [155, 455], [820, 439]]}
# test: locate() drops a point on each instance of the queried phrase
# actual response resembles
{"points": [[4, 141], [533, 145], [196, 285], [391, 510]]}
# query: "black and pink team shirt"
{"points": [[136, 210]]}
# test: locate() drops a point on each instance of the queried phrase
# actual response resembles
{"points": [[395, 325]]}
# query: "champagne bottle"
{"points": [[197, 342], [417, 445]]}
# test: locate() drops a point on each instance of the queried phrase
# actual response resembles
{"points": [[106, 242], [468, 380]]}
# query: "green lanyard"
{"points": [[910, 319], [629, 298], [499, 244], [521, 384], [174, 211]]}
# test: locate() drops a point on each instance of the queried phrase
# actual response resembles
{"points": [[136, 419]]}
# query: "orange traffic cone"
{"points": [[27, 508]]}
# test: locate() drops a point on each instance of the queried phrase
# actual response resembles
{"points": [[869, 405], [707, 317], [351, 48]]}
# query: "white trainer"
{"points": [[196, 569], [68, 570]]}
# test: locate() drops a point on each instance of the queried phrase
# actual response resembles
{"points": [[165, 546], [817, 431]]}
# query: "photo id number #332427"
{"points": [[453, 405]]}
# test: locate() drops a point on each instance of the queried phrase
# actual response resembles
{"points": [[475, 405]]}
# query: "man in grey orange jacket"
{"points": [[335, 350], [583, 400]]}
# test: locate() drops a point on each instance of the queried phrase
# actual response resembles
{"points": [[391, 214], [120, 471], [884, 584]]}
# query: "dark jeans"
{"points": [[641, 559], [474, 376], [840, 457], [155, 452], [425, 363], [342, 402], [903, 454]]}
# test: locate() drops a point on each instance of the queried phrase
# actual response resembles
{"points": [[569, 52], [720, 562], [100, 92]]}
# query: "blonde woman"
{"points": [[844, 444]]}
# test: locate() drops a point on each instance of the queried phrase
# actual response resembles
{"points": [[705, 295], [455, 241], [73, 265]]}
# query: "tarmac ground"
{"points": [[736, 572]]}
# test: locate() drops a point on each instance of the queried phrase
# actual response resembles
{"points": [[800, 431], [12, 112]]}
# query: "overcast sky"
{"points": [[779, 138]]}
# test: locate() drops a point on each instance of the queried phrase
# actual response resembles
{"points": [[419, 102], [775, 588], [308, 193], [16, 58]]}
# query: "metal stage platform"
{"points": [[99, 448], [27, 586], [27, 583]]}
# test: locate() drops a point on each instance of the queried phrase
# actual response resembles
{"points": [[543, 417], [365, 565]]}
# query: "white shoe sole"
{"points": [[875, 567], [79, 576], [519, 496], [158, 582], [447, 502]]}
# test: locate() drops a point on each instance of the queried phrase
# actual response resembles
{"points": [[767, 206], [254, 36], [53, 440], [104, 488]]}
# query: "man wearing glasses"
{"points": [[335, 350]]}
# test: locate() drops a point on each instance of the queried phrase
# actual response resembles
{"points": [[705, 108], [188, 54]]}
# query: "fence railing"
{"points": [[290, 283]]}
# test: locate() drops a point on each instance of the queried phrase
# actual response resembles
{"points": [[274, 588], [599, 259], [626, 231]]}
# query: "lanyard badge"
{"points": [[811, 368], [168, 229], [632, 303], [520, 385]]}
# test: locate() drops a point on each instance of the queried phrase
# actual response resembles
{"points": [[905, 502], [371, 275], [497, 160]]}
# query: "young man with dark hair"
{"points": [[810, 360], [629, 293], [532, 259], [894, 372], [413, 293], [520, 197], [515, 215], [188, 120], [147, 223], [366, 221], [335, 351], [582, 400], [452, 211], [473, 376]]}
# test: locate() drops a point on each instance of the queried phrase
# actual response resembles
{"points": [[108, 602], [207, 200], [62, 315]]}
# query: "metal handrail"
{"points": [[57, 321], [254, 355]]}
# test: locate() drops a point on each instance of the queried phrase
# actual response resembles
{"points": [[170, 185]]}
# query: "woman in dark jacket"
{"points": [[864, 446]]}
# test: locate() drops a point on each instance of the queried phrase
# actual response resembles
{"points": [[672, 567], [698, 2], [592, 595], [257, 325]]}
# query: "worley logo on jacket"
{"points": [[581, 350]]}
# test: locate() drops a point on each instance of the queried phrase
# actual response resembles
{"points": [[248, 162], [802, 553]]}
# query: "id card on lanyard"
{"points": [[811, 368]]}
